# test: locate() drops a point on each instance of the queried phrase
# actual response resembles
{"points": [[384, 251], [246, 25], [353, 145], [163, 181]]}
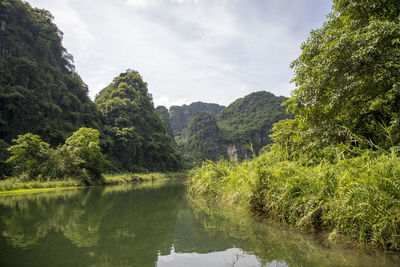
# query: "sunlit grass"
{"points": [[17, 185], [358, 197], [122, 178]]}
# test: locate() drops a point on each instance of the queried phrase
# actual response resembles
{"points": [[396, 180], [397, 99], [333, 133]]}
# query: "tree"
{"points": [[29, 155], [83, 157], [348, 76], [5, 169]]}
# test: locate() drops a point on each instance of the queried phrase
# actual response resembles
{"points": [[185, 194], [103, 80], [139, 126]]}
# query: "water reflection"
{"points": [[230, 257], [152, 224]]}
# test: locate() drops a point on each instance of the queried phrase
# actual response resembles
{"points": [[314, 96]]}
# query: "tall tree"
{"points": [[348, 76]]}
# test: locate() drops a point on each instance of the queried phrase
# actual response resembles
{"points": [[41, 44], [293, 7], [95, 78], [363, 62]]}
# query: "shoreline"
{"points": [[31, 187]]}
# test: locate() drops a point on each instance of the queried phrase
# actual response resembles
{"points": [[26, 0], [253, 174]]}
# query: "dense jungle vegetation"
{"points": [[136, 138], [335, 165], [46, 114], [180, 116], [237, 131], [249, 120]]}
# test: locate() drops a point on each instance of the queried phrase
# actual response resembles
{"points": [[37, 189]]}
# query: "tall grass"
{"points": [[18, 184], [357, 196]]}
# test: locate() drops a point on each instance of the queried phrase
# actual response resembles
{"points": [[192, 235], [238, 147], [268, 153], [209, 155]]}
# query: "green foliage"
{"points": [[83, 157], [329, 167], [5, 169], [17, 185], [356, 196], [39, 90], [164, 115], [29, 155], [202, 138], [249, 120], [136, 137], [239, 130], [181, 115], [348, 75], [79, 158]]}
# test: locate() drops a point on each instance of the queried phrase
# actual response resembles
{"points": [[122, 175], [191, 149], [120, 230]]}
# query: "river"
{"points": [[155, 224]]}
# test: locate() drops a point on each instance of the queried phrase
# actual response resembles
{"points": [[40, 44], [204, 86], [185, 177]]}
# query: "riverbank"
{"points": [[358, 197], [15, 185]]}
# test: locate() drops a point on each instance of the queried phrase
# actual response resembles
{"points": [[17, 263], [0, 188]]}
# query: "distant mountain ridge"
{"points": [[210, 131], [181, 115], [248, 121]]}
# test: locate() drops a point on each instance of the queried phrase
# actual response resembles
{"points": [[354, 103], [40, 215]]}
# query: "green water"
{"points": [[154, 225]]}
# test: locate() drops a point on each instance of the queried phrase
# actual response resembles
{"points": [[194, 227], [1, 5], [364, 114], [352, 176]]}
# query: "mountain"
{"points": [[136, 138], [180, 116], [39, 90], [164, 115], [248, 121], [236, 132], [202, 138]]}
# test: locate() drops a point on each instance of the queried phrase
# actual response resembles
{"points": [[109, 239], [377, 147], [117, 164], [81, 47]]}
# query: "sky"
{"points": [[213, 51]]}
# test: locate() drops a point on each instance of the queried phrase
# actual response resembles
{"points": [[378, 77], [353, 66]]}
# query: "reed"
{"points": [[357, 196]]}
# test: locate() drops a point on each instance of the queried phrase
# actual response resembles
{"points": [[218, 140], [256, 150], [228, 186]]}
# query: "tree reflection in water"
{"points": [[152, 224]]}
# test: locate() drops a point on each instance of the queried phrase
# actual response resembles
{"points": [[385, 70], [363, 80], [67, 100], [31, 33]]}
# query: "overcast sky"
{"points": [[188, 50]]}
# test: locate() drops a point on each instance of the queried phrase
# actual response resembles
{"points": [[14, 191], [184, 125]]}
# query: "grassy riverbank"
{"points": [[17, 185], [358, 196]]}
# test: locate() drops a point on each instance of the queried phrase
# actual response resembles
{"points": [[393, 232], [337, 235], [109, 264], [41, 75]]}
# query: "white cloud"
{"points": [[165, 101], [139, 3], [187, 50]]}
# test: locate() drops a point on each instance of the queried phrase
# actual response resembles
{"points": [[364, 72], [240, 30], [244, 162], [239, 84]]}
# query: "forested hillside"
{"points": [[238, 131], [39, 90], [164, 115], [41, 94], [202, 141], [181, 115], [136, 138], [249, 120]]}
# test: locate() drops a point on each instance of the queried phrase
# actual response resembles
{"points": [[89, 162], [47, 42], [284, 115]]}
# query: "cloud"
{"points": [[188, 50], [139, 3], [165, 101]]}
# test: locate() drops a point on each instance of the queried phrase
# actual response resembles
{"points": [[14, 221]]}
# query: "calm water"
{"points": [[154, 225]]}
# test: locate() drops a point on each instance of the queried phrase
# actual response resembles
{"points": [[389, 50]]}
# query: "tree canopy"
{"points": [[347, 77], [79, 158]]}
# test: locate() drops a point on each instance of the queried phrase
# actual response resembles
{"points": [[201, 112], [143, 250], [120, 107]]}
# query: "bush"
{"points": [[83, 157], [79, 158], [29, 155]]}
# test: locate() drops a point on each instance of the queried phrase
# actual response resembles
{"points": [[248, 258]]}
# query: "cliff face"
{"points": [[239, 131], [164, 115], [203, 137], [246, 123], [181, 115]]}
